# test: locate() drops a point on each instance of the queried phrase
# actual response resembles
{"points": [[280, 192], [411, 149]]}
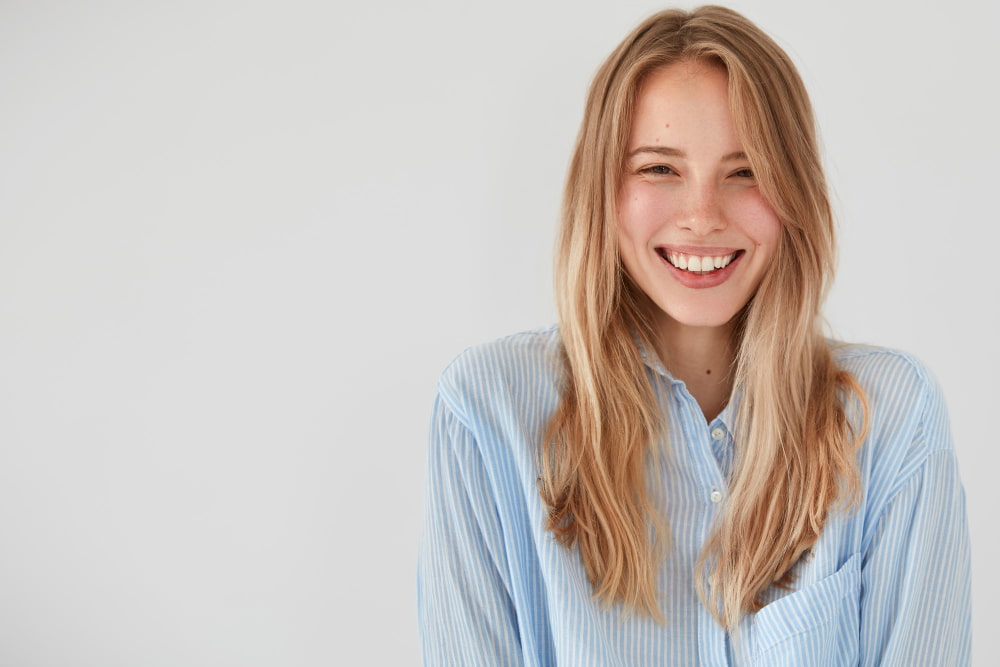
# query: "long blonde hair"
{"points": [[794, 444]]}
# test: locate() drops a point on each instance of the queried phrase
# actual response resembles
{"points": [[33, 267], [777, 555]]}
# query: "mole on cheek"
{"points": [[708, 372]]}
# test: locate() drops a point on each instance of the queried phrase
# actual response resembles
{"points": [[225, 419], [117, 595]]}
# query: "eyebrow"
{"points": [[676, 152]]}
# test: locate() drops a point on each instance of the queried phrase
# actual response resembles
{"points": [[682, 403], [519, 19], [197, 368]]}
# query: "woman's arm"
{"points": [[465, 613], [915, 599]]}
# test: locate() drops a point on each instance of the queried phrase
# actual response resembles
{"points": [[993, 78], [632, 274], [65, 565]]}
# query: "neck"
{"points": [[702, 357]]}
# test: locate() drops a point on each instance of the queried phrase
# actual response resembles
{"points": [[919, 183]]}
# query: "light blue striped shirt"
{"points": [[886, 585]]}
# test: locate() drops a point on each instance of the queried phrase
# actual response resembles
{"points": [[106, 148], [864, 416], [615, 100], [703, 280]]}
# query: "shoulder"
{"points": [[895, 383], [882, 368], [907, 416], [880, 360], [505, 372]]}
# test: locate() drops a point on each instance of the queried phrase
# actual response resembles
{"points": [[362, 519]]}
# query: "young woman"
{"points": [[685, 471]]}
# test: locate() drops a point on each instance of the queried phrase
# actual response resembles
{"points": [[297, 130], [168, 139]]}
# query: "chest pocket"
{"points": [[817, 625]]}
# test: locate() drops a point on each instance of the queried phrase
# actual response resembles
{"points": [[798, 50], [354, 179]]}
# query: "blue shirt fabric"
{"points": [[888, 584]]}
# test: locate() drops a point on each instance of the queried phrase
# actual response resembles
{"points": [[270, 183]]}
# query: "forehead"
{"points": [[682, 100]]}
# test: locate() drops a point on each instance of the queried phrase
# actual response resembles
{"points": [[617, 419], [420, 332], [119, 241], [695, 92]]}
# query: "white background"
{"points": [[239, 241]]}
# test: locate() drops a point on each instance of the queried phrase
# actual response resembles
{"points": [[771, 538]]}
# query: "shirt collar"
{"points": [[652, 361], [728, 414]]}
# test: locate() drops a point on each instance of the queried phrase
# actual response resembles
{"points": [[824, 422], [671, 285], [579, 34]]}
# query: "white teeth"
{"points": [[698, 263]]}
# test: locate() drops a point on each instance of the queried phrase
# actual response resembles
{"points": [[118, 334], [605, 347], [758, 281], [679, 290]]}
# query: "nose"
{"points": [[702, 213]]}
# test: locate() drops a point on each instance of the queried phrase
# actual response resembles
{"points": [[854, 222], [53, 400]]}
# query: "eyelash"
{"points": [[654, 170]]}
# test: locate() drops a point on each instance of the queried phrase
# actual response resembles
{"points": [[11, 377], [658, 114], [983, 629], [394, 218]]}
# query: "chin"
{"points": [[699, 318]]}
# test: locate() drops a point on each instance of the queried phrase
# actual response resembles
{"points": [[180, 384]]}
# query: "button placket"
{"points": [[717, 444], [708, 469]]}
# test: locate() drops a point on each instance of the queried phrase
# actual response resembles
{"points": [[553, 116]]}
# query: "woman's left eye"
{"points": [[743, 173]]}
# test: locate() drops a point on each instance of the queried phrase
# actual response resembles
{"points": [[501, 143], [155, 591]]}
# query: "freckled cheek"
{"points": [[641, 214], [756, 219]]}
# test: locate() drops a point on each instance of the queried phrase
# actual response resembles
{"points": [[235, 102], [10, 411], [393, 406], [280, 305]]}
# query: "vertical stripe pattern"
{"points": [[887, 584]]}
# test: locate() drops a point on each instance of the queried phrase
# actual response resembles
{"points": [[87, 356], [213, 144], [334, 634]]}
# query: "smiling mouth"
{"points": [[698, 264]]}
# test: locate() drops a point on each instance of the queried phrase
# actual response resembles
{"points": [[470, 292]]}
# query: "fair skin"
{"points": [[695, 233]]}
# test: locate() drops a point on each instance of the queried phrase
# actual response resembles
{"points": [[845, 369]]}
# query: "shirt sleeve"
{"points": [[465, 612], [916, 581]]}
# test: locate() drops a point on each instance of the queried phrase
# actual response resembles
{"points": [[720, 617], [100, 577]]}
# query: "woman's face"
{"points": [[695, 233]]}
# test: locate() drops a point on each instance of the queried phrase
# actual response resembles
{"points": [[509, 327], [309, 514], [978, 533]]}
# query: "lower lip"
{"points": [[696, 281]]}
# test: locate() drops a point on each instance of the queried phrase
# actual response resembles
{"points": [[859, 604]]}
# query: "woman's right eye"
{"points": [[657, 170]]}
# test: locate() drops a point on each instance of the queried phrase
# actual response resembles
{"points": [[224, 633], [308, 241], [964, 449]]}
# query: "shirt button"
{"points": [[716, 496], [718, 434]]}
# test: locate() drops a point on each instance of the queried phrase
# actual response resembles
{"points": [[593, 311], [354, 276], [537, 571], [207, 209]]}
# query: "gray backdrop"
{"points": [[239, 241]]}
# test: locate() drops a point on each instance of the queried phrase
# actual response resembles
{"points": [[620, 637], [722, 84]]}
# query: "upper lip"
{"points": [[699, 251]]}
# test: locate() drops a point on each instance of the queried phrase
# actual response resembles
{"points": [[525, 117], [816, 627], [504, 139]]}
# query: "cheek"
{"points": [[642, 211], [633, 229], [758, 221], [765, 232]]}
